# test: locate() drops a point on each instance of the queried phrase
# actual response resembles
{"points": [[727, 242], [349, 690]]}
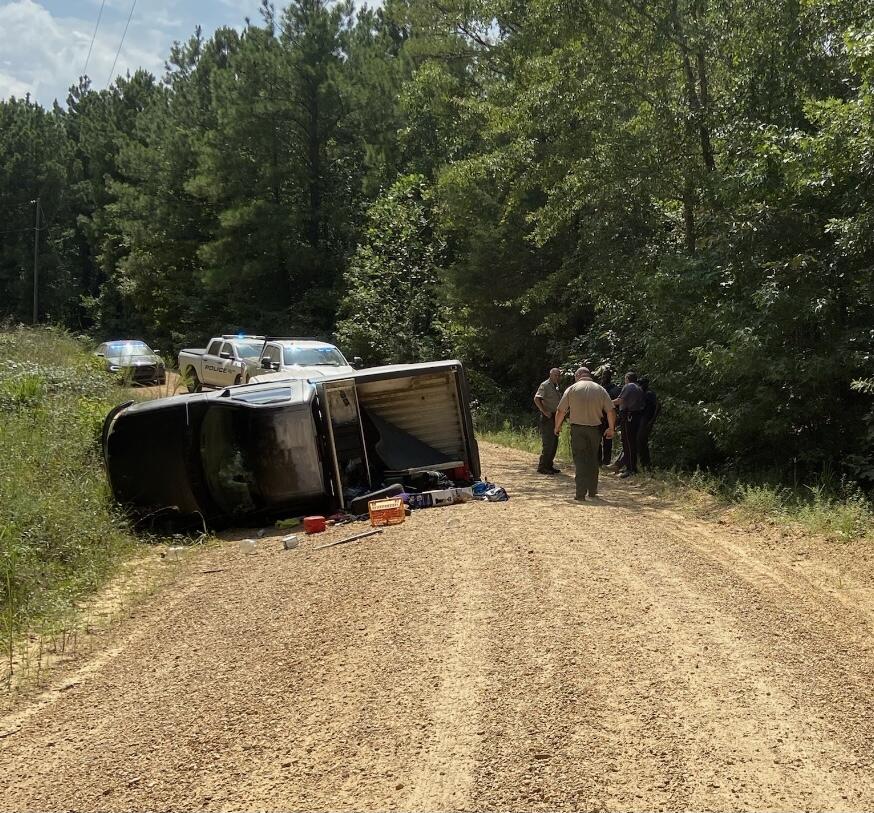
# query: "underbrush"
{"points": [[60, 536], [833, 509]]}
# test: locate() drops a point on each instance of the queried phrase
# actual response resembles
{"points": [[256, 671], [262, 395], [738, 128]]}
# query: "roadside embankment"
{"points": [[60, 536]]}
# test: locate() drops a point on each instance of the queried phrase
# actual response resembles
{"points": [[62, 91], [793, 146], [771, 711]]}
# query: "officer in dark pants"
{"points": [[546, 400], [630, 404], [651, 409], [606, 380]]}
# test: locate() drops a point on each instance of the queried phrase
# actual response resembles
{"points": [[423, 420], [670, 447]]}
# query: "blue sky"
{"points": [[44, 43]]}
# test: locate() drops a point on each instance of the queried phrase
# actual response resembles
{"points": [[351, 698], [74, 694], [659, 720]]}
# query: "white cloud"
{"points": [[10, 86], [44, 55]]}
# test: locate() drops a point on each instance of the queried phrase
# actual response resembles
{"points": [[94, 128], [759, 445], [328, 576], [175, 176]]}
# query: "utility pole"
{"points": [[36, 261]]}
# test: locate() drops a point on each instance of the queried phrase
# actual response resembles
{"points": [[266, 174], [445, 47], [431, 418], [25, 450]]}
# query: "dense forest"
{"points": [[681, 187]]}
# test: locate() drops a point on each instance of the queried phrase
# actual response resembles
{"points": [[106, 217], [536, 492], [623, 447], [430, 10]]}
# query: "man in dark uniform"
{"points": [[651, 409], [546, 400], [630, 404], [606, 380]]}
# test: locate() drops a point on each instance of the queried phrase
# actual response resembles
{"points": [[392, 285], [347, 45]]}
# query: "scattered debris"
{"points": [[248, 545], [342, 518], [314, 524], [290, 542], [291, 522], [386, 512], [360, 504], [440, 497], [353, 538]]}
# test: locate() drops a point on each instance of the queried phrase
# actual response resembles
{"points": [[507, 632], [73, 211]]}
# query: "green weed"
{"points": [[60, 536], [759, 501]]}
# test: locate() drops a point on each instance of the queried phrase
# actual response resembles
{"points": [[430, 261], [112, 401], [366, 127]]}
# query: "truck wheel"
{"points": [[238, 380], [193, 381]]}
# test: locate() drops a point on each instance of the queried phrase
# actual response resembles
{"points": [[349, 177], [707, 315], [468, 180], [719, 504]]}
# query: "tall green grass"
{"points": [[830, 508], [523, 438], [60, 536]]}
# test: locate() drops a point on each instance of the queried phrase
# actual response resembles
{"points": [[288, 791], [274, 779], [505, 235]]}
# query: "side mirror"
{"points": [[226, 356], [357, 362], [266, 364]]}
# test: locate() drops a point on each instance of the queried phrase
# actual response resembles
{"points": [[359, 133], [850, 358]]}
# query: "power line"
{"points": [[123, 35], [93, 37]]}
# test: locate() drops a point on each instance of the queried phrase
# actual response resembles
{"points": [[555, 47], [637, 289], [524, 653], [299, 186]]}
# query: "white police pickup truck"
{"points": [[225, 361], [283, 359]]}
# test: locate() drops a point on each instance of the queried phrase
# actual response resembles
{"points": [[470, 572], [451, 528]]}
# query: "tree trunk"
{"points": [[697, 87]]}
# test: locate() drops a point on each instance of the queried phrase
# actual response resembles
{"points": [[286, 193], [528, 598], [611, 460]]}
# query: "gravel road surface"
{"points": [[530, 655]]}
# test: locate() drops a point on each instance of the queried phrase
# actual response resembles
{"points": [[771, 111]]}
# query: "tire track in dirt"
{"points": [[723, 667], [531, 655]]}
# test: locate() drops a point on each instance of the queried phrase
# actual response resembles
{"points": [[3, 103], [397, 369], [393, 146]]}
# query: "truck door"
{"points": [[211, 365], [345, 434], [229, 366]]}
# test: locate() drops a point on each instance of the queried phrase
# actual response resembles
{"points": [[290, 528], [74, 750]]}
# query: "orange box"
{"points": [[386, 512]]}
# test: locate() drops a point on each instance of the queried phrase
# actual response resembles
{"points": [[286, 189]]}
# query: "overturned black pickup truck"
{"points": [[251, 453]]}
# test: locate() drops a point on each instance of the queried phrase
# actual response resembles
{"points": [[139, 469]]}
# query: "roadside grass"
{"points": [[61, 537], [526, 439], [831, 509]]}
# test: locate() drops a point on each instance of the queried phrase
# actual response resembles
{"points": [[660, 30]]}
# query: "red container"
{"points": [[314, 525]]}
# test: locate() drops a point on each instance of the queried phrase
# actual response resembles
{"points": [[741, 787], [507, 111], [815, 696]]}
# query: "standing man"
{"points": [[630, 403], [585, 404], [546, 400], [606, 380], [651, 409]]}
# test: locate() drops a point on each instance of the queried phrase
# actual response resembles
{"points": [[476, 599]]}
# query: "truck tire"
{"points": [[193, 381], [238, 380]]}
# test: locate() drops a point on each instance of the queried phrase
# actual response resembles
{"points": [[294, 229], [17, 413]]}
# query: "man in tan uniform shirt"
{"points": [[585, 403], [546, 400]]}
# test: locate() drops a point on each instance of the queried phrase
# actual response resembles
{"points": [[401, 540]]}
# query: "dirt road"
{"points": [[531, 655]]}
